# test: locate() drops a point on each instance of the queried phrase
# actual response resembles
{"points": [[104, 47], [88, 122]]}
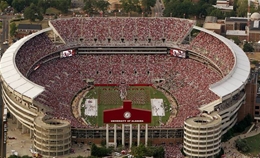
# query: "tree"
{"points": [[139, 151], [9, 2], [248, 47], [62, 5], [242, 145], [217, 13], [242, 8], [131, 6], [26, 156], [103, 142], [236, 40], [99, 151], [182, 9], [13, 29], [19, 5], [3, 5], [147, 4], [33, 12], [14, 156], [102, 5], [89, 6], [151, 151]]}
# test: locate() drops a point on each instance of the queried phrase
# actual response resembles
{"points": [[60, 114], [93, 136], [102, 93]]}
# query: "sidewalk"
{"points": [[230, 149]]}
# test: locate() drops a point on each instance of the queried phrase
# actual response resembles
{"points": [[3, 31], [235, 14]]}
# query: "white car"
{"points": [[5, 42]]}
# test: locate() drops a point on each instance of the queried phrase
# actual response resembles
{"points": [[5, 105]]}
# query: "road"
{"points": [[4, 34], [3, 37], [157, 10]]}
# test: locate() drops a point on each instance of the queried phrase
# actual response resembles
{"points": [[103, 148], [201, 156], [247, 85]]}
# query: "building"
{"points": [[238, 27], [202, 135], [223, 5], [213, 27], [26, 29]]}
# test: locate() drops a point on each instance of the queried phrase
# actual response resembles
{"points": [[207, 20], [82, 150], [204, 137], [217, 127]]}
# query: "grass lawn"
{"points": [[109, 98], [254, 144]]}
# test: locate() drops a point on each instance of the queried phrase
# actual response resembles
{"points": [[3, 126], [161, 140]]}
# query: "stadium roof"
{"points": [[11, 75], [238, 75]]}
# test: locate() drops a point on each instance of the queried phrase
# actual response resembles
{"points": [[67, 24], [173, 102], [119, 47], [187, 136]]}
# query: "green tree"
{"points": [[242, 8], [19, 5], [242, 145], [13, 29], [14, 156], [99, 151], [26, 156], [43, 4], [236, 40], [139, 151], [248, 47], [217, 13], [62, 5], [9, 2], [33, 12], [102, 5], [147, 4], [131, 6], [103, 142], [89, 6], [3, 5], [183, 9], [152, 151]]}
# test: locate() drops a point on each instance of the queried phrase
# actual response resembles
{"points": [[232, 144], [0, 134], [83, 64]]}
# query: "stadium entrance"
{"points": [[125, 117]]}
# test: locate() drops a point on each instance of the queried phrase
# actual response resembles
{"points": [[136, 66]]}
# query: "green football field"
{"points": [[109, 98]]}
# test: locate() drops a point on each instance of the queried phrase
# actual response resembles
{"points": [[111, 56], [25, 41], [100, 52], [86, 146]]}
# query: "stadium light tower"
{"points": [[248, 20]]}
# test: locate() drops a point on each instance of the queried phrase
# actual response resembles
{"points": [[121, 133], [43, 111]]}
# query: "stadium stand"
{"points": [[42, 77]]}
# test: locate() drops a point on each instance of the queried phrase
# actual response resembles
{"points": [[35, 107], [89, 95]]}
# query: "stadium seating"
{"points": [[185, 79], [215, 50], [101, 29]]}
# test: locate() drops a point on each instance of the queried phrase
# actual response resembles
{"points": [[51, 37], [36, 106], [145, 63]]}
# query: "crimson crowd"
{"points": [[186, 80], [127, 28], [215, 50]]}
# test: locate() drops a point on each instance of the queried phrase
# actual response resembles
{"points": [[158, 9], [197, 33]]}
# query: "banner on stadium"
{"points": [[127, 115], [67, 53], [178, 53]]}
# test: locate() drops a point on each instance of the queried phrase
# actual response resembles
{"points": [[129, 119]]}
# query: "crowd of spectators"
{"points": [[63, 78], [173, 151], [185, 79], [125, 30], [33, 50], [215, 50]]}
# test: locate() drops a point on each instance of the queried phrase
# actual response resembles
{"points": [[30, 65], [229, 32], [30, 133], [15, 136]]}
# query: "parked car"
{"points": [[5, 42]]}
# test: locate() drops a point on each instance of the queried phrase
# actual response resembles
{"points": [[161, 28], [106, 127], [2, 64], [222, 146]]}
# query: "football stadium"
{"points": [[183, 84]]}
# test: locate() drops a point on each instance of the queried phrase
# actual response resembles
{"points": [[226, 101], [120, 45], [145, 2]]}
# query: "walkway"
{"points": [[230, 146]]}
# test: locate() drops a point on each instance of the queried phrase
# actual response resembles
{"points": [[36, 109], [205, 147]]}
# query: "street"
{"points": [[4, 33], [157, 10]]}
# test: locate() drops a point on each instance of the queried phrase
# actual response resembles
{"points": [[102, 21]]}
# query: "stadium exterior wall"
{"points": [[52, 137], [197, 131]]}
